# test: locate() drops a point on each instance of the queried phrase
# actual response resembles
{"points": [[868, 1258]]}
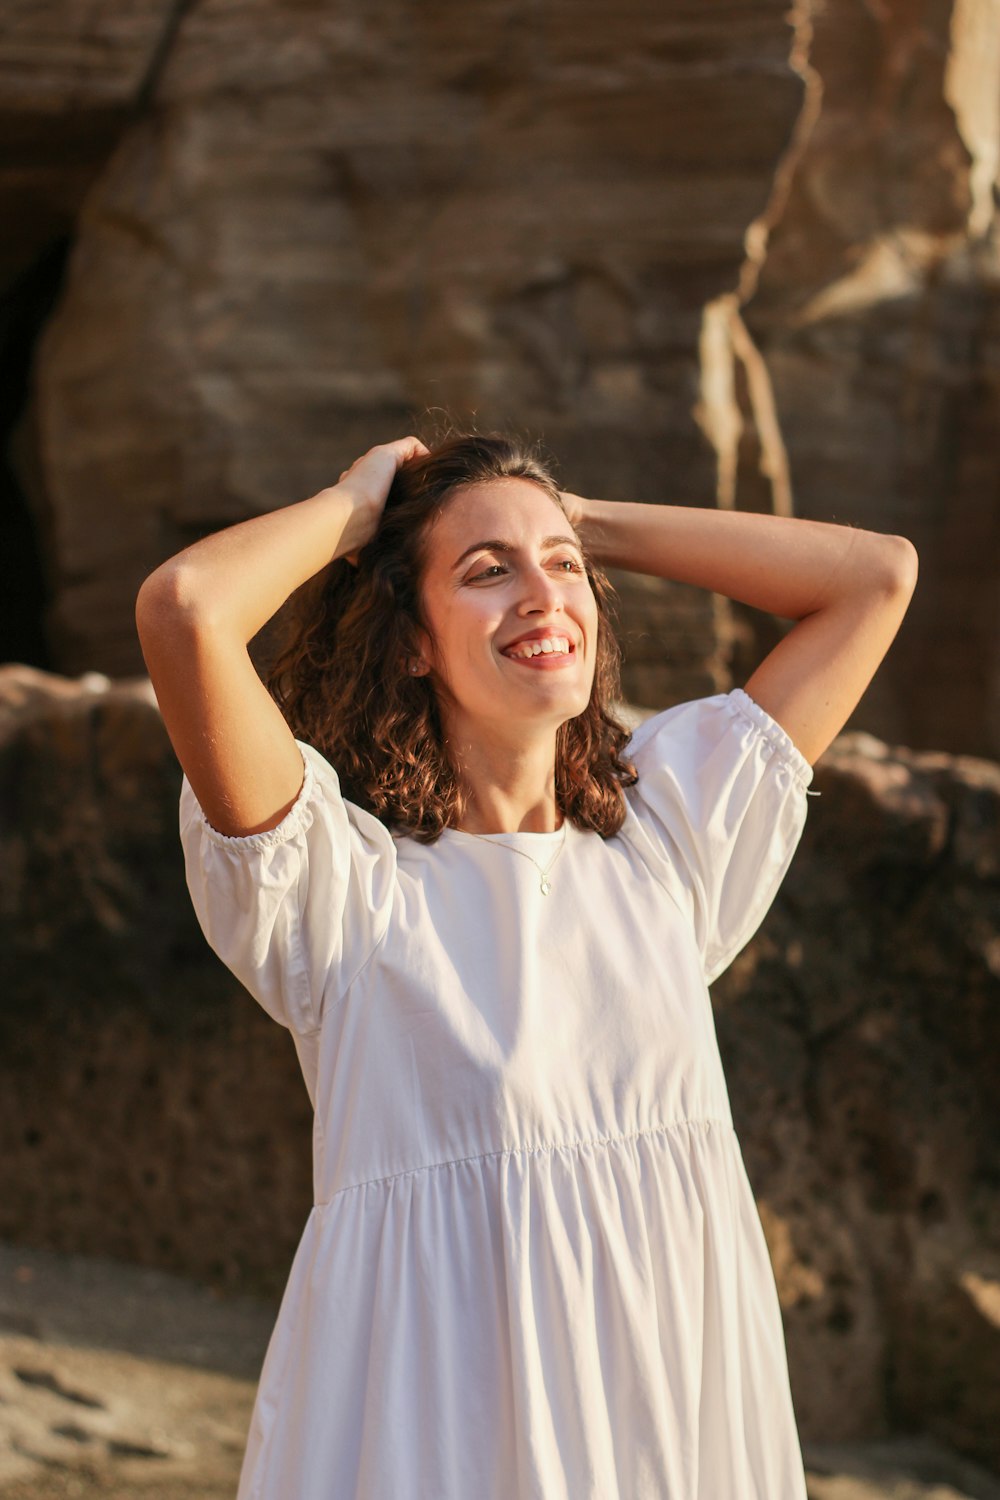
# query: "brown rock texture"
{"points": [[72, 78], [320, 224], [860, 1036], [872, 317], [741, 255], [155, 1114], [146, 1108]]}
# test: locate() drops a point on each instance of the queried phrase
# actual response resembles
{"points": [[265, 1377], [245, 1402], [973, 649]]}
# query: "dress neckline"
{"points": [[462, 833]]}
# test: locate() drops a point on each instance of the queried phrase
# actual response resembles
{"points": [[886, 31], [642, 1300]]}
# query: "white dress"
{"points": [[534, 1268]]}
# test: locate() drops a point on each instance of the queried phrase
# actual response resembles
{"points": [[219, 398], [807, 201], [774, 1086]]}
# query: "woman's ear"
{"points": [[423, 653]]}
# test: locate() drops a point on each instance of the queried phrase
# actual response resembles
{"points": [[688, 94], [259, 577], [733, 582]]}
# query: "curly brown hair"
{"points": [[338, 677]]}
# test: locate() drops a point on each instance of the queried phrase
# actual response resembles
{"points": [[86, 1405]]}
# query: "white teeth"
{"points": [[549, 646]]}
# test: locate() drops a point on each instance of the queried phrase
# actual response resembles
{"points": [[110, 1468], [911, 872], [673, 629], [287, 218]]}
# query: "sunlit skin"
{"points": [[500, 716]]}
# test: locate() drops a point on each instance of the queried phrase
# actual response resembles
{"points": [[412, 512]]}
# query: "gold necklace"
{"points": [[546, 884]]}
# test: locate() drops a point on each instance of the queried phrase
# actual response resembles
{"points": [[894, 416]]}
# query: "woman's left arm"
{"points": [[847, 588]]}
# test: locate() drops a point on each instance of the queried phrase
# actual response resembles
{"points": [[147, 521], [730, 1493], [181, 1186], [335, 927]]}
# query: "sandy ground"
{"points": [[132, 1384], [117, 1381]]}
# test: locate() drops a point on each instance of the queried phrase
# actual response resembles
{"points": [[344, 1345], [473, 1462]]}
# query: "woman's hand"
{"points": [[575, 507], [370, 477]]}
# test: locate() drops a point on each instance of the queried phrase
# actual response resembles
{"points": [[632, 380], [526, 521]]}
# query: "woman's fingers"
{"points": [[402, 449], [372, 474], [573, 505]]}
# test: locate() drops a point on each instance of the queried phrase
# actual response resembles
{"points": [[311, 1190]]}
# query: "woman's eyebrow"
{"points": [[496, 545]]}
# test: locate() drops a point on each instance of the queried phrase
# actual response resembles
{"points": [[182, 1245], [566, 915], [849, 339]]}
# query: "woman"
{"points": [[534, 1265]]}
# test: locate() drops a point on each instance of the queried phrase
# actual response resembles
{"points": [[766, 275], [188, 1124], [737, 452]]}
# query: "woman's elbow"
{"points": [[165, 596], [903, 564]]}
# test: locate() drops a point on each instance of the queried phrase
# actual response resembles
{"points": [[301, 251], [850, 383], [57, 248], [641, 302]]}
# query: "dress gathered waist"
{"points": [[704, 1121]]}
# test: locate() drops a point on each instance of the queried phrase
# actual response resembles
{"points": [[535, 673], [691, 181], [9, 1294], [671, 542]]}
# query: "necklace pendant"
{"points": [[546, 886]]}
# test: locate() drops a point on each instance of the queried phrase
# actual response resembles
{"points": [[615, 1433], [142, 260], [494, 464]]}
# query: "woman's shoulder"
{"points": [[693, 738]]}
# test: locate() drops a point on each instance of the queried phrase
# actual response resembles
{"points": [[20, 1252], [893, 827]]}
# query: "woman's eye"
{"points": [[564, 562]]}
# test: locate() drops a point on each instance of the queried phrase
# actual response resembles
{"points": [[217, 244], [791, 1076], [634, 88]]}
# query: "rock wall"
{"points": [[152, 1112], [140, 1092], [874, 311], [740, 257], [72, 80], [322, 225], [860, 1036]]}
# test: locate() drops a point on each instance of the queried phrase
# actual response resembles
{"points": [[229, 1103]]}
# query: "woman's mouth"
{"points": [[534, 654]]}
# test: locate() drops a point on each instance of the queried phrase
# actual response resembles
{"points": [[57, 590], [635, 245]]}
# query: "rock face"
{"points": [[324, 223], [147, 1106], [860, 1036], [72, 80], [875, 314], [745, 256], [152, 1112]]}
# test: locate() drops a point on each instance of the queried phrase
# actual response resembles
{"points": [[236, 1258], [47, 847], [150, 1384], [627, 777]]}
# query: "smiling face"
{"points": [[503, 563]]}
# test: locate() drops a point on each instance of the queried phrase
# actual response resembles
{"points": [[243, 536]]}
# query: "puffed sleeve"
{"points": [[720, 806], [297, 911]]}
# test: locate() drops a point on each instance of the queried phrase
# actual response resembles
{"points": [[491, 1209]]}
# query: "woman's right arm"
{"points": [[197, 613]]}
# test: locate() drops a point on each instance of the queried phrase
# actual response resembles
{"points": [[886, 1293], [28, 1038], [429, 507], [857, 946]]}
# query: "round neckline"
{"points": [[555, 833]]}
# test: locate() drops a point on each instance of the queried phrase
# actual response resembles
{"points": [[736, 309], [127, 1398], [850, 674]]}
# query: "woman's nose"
{"points": [[540, 586]]}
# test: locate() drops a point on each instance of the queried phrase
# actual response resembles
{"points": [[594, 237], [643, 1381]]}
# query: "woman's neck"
{"points": [[509, 787]]}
